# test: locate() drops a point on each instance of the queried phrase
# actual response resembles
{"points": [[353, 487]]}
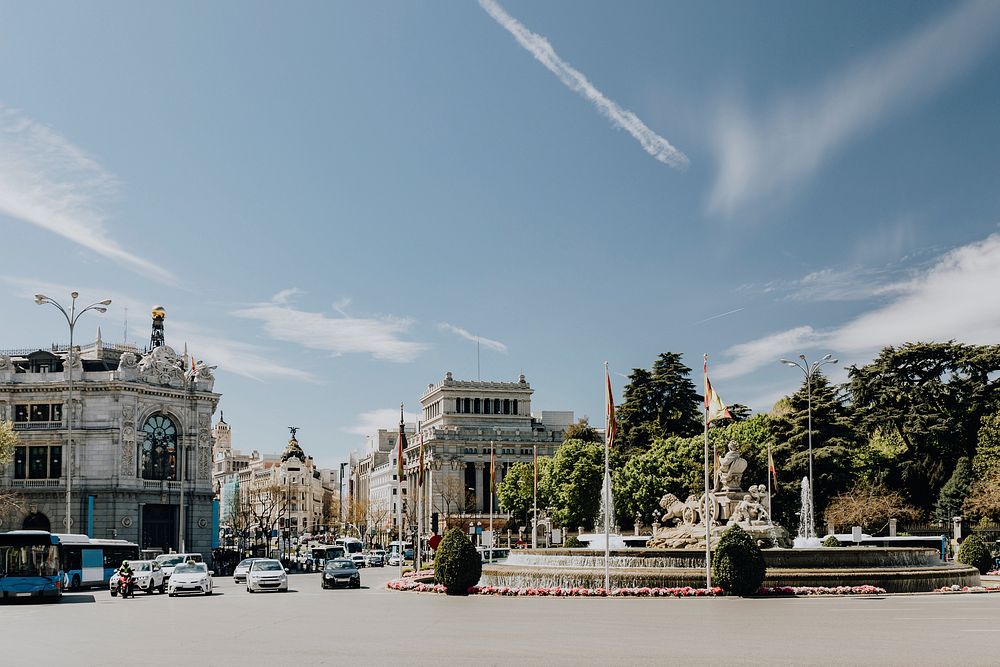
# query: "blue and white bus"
{"points": [[89, 561], [29, 565]]}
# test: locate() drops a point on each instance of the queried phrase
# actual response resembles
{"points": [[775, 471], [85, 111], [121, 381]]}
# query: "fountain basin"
{"points": [[898, 570]]}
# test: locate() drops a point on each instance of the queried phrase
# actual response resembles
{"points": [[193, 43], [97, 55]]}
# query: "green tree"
{"points": [[934, 395], [659, 403], [955, 490], [987, 458], [516, 492], [833, 442], [637, 411], [671, 465], [582, 430], [574, 482], [457, 564], [973, 551]]}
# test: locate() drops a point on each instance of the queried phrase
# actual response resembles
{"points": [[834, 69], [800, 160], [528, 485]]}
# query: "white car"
{"points": [[240, 571], [148, 577], [359, 560], [169, 561], [266, 574], [190, 578], [395, 559]]}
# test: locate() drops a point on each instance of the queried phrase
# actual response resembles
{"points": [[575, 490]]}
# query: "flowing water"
{"points": [[806, 538]]}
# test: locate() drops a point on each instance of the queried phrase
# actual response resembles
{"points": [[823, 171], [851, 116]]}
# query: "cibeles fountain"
{"points": [[675, 554]]}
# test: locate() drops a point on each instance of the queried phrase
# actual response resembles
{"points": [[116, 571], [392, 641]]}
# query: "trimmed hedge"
{"points": [[973, 551], [831, 541], [572, 542], [457, 564], [738, 565]]}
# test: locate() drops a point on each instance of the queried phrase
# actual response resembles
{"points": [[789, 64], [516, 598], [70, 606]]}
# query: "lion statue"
{"points": [[674, 509]]}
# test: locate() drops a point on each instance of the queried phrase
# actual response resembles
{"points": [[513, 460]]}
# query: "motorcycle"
{"points": [[126, 586]]}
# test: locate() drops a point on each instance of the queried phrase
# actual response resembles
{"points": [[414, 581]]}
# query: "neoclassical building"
{"points": [[142, 437], [461, 418]]}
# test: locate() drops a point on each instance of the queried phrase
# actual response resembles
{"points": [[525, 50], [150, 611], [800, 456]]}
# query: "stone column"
{"points": [[479, 487]]}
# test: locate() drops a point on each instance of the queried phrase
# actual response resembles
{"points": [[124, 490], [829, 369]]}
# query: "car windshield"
{"points": [[340, 564], [169, 561], [246, 562], [191, 568], [141, 567], [267, 566]]}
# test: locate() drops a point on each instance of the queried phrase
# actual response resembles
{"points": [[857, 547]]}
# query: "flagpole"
{"points": [[705, 506], [534, 502], [607, 490], [493, 483], [770, 471], [420, 509], [399, 490]]}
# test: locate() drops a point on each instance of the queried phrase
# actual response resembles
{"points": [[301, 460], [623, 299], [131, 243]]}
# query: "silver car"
{"points": [[266, 574]]}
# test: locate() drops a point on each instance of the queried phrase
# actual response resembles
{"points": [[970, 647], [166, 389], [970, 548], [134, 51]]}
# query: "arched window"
{"points": [[158, 450], [36, 521]]}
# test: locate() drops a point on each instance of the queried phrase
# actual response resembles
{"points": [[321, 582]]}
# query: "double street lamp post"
{"points": [[71, 317], [810, 372]]}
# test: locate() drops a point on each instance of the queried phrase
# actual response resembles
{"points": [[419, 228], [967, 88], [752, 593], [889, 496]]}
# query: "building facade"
{"points": [[142, 447]]}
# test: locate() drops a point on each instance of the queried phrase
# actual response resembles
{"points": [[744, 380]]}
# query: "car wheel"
{"points": [[74, 585], [172, 594], [208, 592], [162, 588], [150, 588], [249, 590], [114, 592]]}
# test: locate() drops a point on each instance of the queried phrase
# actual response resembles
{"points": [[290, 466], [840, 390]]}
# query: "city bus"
{"points": [[29, 565], [90, 561], [352, 545], [324, 552]]}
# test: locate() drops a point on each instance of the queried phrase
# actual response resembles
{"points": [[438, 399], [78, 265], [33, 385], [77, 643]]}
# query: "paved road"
{"points": [[374, 626]]}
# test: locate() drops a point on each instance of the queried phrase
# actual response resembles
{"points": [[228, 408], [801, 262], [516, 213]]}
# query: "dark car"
{"points": [[341, 572]]}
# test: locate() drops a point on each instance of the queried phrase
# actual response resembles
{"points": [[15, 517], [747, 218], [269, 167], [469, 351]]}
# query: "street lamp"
{"points": [[810, 372], [71, 317]]}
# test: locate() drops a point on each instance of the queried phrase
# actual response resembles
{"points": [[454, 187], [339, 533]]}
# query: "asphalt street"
{"points": [[375, 626]]}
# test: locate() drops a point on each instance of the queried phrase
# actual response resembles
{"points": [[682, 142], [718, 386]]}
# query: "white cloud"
{"points": [[485, 342], [388, 418], [378, 336], [47, 181], [539, 47], [954, 299], [792, 139]]}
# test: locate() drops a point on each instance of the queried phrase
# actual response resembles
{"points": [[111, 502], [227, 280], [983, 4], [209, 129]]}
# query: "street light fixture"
{"points": [[71, 317], [810, 371]]}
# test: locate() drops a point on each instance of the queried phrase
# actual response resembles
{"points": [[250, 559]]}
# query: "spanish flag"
{"points": [[770, 467], [610, 425], [714, 407]]}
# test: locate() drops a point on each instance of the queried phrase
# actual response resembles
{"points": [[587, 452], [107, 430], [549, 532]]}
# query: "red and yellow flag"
{"points": [[770, 467], [493, 469], [714, 407], [610, 425]]}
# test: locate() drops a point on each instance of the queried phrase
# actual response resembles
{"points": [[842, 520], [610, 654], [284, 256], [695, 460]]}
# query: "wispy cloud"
{"points": [[952, 299], [791, 140], [373, 420], [485, 342], [378, 336], [47, 181], [715, 317], [539, 47]]}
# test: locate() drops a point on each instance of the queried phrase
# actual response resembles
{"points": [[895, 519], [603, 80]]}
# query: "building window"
{"points": [[496, 406], [468, 402], [506, 406], [477, 406], [513, 407], [38, 412], [487, 404], [458, 406], [158, 450], [38, 462]]}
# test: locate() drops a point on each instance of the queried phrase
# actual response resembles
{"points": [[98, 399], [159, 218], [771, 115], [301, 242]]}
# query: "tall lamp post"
{"points": [[71, 317], [810, 372]]}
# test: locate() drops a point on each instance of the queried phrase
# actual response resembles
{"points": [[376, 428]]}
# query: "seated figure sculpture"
{"points": [[731, 469]]}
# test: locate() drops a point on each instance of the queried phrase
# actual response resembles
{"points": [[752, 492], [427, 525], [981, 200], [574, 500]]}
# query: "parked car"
{"points": [[341, 571], [267, 574], [240, 571], [395, 560], [148, 577], [169, 561], [359, 559], [376, 558], [190, 578]]}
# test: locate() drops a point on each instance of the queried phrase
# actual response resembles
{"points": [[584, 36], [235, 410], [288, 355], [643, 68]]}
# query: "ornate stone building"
{"points": [[141, 430]]}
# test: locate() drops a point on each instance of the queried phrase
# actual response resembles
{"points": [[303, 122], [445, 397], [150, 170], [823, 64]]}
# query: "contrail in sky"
{"points": [[715, 317], [538, 46]]}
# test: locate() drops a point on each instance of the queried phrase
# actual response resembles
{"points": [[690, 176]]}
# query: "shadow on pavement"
{"points": [[77, 598]]}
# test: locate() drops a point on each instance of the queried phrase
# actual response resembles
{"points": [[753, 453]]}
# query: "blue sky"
{"points": [[330, 199]]}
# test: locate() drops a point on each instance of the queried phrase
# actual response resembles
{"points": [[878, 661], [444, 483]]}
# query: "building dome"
{"points": [[293, 450], [158, 312]]}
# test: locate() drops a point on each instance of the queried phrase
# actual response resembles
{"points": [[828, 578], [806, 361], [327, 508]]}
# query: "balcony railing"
{"points": [[37, 426], [35, 483]]}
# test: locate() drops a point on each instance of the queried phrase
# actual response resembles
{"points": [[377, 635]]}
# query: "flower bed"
{"points": [[422, 574], [967, 589], [820, 590], [993, 573]]}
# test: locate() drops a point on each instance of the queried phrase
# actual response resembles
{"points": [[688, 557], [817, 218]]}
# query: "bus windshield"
{"points": [[40, 560]]}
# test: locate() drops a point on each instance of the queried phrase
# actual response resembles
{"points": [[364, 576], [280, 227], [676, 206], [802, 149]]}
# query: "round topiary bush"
{"points": [[738, 565], [831, 541], [973, 551], [573, 542], [457, 564]]}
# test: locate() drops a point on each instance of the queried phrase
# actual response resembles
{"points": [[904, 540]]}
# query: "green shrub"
{"points": [[973, 551], [831, 541], [738, 565], [573, 542], [457, 564]]}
